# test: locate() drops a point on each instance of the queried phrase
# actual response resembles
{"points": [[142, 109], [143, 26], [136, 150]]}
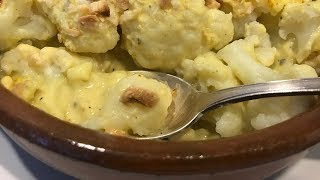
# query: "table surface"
{"points": [[16, 164]]}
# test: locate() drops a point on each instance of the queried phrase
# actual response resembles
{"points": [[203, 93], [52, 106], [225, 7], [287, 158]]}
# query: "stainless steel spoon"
{"points": [[189, 103]]}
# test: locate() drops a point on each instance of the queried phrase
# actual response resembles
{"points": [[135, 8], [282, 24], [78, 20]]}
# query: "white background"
{"points": [[16, 164]]}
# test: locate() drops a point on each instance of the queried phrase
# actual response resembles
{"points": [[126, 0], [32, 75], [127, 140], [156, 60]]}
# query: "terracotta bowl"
{"points": [[85, 153]]}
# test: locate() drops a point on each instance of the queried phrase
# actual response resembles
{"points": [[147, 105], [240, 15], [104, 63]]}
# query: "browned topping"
{"points": [[165, 4], [140, 95], [123, 4], [0, 2], [88, 20], [100, 8], [212, 4], [84, 10]]}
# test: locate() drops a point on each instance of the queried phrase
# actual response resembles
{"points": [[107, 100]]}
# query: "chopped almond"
{"points": [[140, 95], [165, 4], [212, 4], [100, 8], [88, 20]]}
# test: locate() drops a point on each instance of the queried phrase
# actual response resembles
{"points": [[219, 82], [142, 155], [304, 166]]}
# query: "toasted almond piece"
{"points": [[212, 4], [100, 8], [140, 95], [84, 10], [165, 4], [88, 20]]}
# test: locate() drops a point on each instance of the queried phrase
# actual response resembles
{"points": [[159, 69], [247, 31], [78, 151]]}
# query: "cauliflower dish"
{"points": [[74, 59]]}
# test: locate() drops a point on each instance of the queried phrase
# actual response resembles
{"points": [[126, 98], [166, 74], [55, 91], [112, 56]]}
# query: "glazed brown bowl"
{"points": [[274, 147]]}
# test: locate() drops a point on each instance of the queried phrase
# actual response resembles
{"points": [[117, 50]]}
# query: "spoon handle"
{"points": [[310, 86]]}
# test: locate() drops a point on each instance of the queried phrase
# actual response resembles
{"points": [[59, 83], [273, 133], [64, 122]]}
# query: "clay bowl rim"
{"points": [[158, 157]]}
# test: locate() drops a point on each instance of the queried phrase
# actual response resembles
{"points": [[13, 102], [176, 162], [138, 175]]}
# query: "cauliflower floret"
{"points": [[30, 67], [160, 34], [265, 54], [284, 47], [273, 6], [19, 20], [135, 103], [247, 57], [228, 120], [249, 67], [295, 71], [239, 8], [268, 112], [240, 23], [303, 21], [209, 74], [85, 26], [49, 61], [244, 7]]}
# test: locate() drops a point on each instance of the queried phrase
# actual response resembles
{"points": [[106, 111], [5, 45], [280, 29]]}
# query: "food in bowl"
{"points": [[85, 26], [20, 21], [84, 78]]}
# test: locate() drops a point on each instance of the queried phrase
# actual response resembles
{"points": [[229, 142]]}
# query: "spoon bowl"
{"points": [[179, 115], [189, 103]]}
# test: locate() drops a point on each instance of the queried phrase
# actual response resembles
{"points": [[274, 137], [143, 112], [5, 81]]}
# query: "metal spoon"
{"points": [[189, 103]]}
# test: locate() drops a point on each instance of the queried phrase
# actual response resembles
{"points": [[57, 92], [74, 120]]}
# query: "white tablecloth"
{"points": [[16, 164]]}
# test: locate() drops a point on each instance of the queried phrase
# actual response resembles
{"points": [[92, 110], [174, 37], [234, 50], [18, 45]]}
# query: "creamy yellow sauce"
{"points": [[74, 89]]}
